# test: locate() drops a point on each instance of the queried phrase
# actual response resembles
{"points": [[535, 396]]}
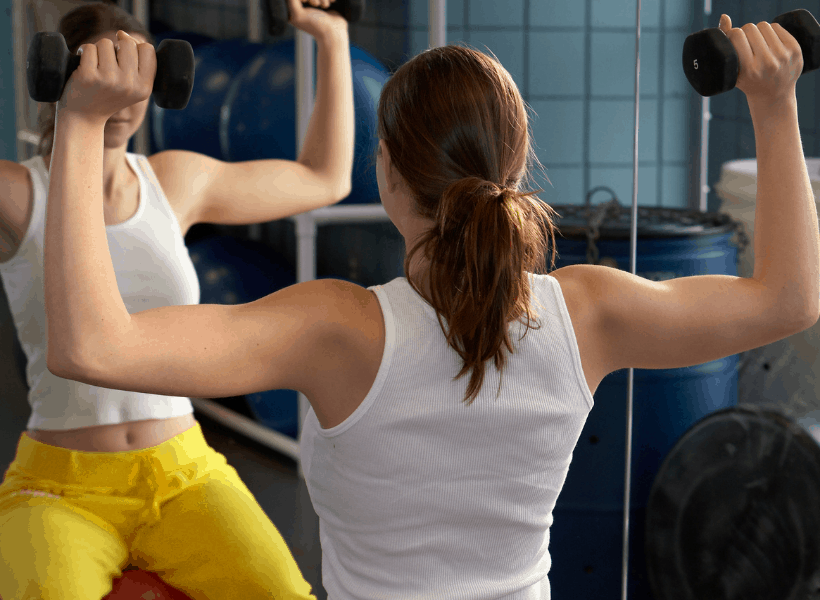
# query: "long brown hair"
{"points": [[458, 133], [78, 26]]}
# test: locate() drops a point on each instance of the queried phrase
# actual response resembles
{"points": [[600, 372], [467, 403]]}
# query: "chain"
{"points": [[612, 210], [596, 218]]}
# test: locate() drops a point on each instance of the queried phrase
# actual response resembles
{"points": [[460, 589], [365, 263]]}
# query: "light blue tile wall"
{"points": [[573, 61]]}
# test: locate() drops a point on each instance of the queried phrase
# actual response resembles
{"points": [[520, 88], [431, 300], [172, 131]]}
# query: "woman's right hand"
{"points": [[110, 78], [770, 59]]}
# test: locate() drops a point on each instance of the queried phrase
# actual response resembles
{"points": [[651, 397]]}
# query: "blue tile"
{"points": [[675, 186], [557, 13], [611, 131], [492, 13], [620, 179], [455, 13], [567, 185], [558, 131], [455, 35], [650, 63], [606, 13], [648, 130], [418, 13], [508, 46], [674, 79], [680, 15], [613, 64], [556, 63], [723, 136], [419, 42], [676, 130]]}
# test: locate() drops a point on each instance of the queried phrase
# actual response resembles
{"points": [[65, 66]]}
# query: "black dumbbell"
{"points": [[49, 67], [711, 64], [351, 10]]}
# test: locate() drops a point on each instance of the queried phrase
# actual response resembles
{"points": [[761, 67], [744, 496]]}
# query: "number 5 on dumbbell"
{"points": [[49, 66], [711, 64]]}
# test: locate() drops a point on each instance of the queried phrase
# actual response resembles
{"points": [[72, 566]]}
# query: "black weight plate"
{"points": [[734, 512]]}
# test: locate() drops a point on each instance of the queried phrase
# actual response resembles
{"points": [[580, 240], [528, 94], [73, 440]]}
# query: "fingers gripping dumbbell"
{"points": [[49, 66], [711, 64], [351, 10]]}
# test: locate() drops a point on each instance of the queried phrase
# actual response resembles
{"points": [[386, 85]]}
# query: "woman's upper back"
{"points": [[415, 467]]}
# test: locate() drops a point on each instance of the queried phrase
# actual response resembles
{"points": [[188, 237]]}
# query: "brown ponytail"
{"points": [[457, 131], [78, 26]]}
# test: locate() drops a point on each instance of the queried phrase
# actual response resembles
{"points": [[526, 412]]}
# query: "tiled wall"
{"points": [[573, 61]]}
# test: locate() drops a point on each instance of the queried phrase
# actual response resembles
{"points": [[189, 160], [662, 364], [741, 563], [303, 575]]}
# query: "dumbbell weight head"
{"points": [[805, 29], [49, 67], [711, 64], [174, 80], [351, 10]]}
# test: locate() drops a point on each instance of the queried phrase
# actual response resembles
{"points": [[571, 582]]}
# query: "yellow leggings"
{"points": [[70, 521]]}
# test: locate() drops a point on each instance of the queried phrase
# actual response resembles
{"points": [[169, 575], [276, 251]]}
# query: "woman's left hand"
{"points": [[317, 23]]}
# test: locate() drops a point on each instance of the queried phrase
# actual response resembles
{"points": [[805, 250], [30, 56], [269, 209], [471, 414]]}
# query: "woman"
{"points": [[419, 495], [104, 478]]}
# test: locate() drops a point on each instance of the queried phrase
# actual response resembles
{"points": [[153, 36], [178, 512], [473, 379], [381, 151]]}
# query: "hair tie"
{"points": [[502, 192]]}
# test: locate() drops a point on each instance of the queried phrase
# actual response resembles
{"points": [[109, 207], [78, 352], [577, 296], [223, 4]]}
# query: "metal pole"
{"points": [[704, 137], [437, 35], [633, 247], [305, 225], [255, 22]]}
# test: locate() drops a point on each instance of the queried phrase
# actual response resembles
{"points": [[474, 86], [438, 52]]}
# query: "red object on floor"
{"points": [[143, 585]]}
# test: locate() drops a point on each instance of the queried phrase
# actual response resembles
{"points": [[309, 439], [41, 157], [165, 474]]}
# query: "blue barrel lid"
{"points": [[574, 220], [613, 220]]}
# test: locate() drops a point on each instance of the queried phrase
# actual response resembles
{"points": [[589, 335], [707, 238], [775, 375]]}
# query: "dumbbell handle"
{"points": [[351, 10], [49, 66]]}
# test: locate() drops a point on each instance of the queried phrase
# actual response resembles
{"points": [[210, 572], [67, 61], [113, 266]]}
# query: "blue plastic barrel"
{"points": [[259, 114], [258, 119], [196, 127], [586, 537], [235, 271]]}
